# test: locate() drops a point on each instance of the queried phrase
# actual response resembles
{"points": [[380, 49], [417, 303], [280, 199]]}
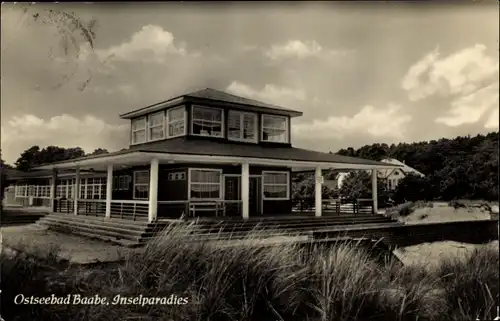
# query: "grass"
{"points": [[251, 282]]}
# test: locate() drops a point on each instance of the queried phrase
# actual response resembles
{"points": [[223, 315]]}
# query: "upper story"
{"points": [[212, 114]]}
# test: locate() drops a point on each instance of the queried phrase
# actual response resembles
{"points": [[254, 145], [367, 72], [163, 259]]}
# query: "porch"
{"points": [[221, 209], [151, 186]]}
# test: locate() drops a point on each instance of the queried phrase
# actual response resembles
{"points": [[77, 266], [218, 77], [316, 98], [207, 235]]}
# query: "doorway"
{"points": [[232, 192], [255, 197]]}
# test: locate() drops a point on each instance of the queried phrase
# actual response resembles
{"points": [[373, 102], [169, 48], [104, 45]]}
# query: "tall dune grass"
{"points": [[255, 282]]}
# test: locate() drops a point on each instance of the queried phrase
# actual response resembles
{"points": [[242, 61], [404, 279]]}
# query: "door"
{"points": [[232, 193], [255, 196]]}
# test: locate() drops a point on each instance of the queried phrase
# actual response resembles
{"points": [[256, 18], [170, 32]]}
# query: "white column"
{"points": [[109, 190], [318, 204], [245, 190], [153, 190], [374, 191], [53, 190], [76, 192]]}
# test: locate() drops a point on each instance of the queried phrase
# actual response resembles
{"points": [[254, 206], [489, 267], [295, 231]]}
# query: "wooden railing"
{"points": [[64, 206], [130, 210], [177, 209], [92, 207], [348, 206]]}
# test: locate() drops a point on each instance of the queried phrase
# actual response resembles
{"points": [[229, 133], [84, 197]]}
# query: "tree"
{"points": [[99, 151], [28, 158], [358, 184], [304, 186], [462, 167], [412, 188], [33, 156]]}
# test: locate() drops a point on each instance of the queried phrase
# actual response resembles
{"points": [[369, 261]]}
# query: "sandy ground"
{"points": [[430, 254], [76, 249], [446, 213]]}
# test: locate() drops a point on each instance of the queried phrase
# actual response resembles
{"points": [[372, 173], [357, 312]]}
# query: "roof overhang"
{"points": [[153, 108], [140, 157]]}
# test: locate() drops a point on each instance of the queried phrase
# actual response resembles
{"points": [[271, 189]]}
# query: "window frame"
{"points": [[287, 173], [242, 115], [221, 194], [144, 119], [83, 192], [134, 184], [169, 122], [287, 128], [223, 127], [150, 127]]}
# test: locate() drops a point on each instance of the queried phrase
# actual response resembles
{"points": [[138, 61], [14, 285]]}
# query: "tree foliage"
{"points": [[459, 168], [35, 156], [304, 186]]}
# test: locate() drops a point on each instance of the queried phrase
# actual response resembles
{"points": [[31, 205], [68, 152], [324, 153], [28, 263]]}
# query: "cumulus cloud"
{"points": [[470, 108], [386, 122], [89, 132], [300, 50], [468, 77], [150, 44], [460, 73]]}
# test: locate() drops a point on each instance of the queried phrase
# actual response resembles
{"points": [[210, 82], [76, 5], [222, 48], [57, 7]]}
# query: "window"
{"points": [[139, 130], [121, 183], [176, 122], [124, 182], [205, 184], [93, 188], [207, 121], [242, 126], [141, 185], [176, 176], [276, 185], [21, 190], [43, 191], [274, 129], [156, 126]]}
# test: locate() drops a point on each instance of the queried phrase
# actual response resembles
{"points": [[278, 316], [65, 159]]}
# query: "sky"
{"points": [[361, 73]]}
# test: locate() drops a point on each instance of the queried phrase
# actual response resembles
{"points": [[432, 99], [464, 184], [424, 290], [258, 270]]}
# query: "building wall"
{"points": [[177, 190]]}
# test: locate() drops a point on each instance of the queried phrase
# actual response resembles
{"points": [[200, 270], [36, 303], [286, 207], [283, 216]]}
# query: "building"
{"points": [[205, 153], [391, 177]]}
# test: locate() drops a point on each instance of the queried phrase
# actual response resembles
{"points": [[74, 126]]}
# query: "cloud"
{"points": [[300, 50], [460, 73], [382, 123], [470, 108], [89, 132], [493, 120], [281, 96], [150, 44]]}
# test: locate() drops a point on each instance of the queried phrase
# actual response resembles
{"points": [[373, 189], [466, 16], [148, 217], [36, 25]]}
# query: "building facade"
{"points": [[206, 153]]}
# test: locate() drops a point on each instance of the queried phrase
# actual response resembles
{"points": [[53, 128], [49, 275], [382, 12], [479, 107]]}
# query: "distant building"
{"points": [[392, 177], [395, 175]]}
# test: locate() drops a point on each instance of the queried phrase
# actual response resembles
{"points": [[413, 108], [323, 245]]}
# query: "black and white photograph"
{"points": [[249, 161]]}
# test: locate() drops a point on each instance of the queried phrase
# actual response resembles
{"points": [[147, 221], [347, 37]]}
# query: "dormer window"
{"points": [[207, 121], [156, 126], [242, 126], [176, 119], [274, 129], [139, 130]]}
